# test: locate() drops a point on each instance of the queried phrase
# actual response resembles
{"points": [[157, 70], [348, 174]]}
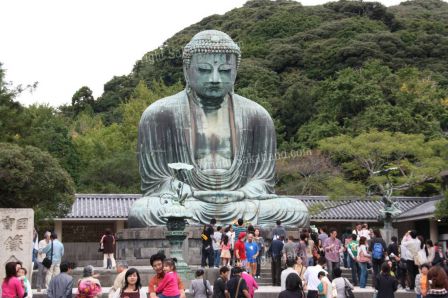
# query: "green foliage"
{"points": [[442, 207], [365, 159], [31, 178], [11, 112], [108, 162], [82, 99]]}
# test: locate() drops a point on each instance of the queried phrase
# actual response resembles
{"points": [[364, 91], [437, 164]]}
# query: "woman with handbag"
{"points": [[200, 287], [363, 260], [342, 288], [107, 245]]}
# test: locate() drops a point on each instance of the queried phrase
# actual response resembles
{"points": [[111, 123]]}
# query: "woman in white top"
{"points": [[363, 259], [132, 286], [339, 283]]}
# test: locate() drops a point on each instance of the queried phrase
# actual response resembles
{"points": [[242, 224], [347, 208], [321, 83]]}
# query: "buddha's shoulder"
{"points": [[165, 104], [251, 105]]}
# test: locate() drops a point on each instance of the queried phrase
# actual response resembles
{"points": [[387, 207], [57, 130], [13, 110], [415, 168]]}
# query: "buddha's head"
{"points": [[210, 62]]}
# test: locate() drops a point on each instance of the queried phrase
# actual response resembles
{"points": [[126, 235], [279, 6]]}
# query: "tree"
{"points": [[385, 162], [82, 99], [12, 120], [32, 178], [305, 174], [49, 131]]}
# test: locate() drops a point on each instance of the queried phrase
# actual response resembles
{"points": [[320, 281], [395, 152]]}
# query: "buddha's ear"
{"points": [[185, 68]]}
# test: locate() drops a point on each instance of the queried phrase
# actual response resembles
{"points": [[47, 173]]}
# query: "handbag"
{"points": [[347, 290], [207, 293], [48, 261]]}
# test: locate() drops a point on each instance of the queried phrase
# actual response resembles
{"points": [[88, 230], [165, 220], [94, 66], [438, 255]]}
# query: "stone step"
{"points": [[262, 292], [107, 277]]}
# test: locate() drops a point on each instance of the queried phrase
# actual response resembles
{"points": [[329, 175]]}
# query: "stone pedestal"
{"points": [[141, 243], [387, 233]]}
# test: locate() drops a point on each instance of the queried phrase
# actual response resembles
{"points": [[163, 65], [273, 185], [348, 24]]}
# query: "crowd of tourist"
{"points": [[312, 264]]}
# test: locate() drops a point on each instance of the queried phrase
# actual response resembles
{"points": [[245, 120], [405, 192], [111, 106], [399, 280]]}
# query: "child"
{"points": [[21, 274], [421, 281], [168, 287], [225, 250]]}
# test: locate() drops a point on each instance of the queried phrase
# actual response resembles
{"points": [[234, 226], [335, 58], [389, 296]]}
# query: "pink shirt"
{"points": [[168, 286], [251, 283], [332, 248], [12, 288]]}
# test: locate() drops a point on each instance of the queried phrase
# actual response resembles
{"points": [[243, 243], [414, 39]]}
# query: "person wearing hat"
{"points": [[240, 250], [89, 286]]}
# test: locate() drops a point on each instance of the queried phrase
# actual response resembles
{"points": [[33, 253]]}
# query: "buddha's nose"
{"points": [[216, 78]]}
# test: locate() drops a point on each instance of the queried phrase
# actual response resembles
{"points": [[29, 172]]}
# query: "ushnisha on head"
{"points": [[210, 42]]}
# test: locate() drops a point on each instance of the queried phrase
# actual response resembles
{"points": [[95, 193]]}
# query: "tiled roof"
{"points": [[426, 209], [103, 206]]}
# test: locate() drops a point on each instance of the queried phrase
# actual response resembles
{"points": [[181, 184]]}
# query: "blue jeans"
{"points": [[355, 270], [217, 258], [363, 275], [345, 259]]}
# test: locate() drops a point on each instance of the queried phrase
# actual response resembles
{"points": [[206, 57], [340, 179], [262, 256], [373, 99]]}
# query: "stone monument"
{"points": [[16, 238], [229, 140]]}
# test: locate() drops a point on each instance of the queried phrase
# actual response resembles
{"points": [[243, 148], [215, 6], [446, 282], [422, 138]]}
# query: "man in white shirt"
{"points": [[412, 244], [312, 279], [216, 243], [42, 271], [290, 269]]}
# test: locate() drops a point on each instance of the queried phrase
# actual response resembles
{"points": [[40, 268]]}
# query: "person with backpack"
{"points": [[208, 254], [219, 287], [378, 250]]}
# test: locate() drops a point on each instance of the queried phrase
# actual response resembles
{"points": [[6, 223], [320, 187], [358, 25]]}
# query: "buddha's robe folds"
{"points": [[167, 134]]}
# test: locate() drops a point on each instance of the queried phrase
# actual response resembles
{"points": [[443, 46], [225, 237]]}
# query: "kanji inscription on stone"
{"points": [[22, 223], [14, 243], [16, 237], [8, 223]]}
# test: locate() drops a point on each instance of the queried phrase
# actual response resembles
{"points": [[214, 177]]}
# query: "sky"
{"points": [[64, 45]]}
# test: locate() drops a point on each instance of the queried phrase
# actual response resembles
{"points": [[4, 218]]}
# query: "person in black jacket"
{"points": [[386, 284]]}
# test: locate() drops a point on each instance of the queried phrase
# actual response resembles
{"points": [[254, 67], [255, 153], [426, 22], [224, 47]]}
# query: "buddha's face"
{"points": [[212, 76]]}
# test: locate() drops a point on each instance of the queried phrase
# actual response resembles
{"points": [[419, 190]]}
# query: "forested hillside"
{"points": [[347, 72]]}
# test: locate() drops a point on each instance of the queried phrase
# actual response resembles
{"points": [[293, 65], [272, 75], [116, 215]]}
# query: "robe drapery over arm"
{"points": [[165, 136]]}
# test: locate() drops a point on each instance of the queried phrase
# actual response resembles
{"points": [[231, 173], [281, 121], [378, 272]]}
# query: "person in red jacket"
{"points": [[240, 250]]}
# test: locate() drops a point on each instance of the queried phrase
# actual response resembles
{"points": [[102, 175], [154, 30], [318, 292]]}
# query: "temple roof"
{"points": [[116, 206]]}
